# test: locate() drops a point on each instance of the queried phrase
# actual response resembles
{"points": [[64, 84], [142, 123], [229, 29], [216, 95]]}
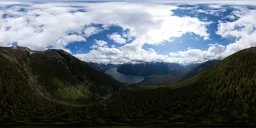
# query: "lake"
{"points": [[124, 78]]}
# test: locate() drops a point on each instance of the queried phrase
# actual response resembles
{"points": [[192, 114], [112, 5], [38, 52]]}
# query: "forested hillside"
{"points": [[148, 69], [220, 95], [54, 74], [199, 68]]}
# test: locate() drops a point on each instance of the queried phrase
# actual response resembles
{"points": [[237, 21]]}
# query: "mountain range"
{"points": [[54, 88], [149, 69], [199, 68], [103, 67], [157, 73]]}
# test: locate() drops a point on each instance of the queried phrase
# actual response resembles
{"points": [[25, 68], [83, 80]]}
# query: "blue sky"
{"points": [[124, 32]]}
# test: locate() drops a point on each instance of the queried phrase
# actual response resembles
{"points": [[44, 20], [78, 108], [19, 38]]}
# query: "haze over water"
{"points": [[124, 78]]}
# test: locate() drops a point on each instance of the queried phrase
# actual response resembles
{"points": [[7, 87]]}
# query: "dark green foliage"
{"points": [[199, 68], [147, 69], [58, 75], [43, 87], [161, 80], [156, 73], [220, 95]]}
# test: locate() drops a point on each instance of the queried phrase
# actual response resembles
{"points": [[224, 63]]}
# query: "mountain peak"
{"points": [[21, 48]]}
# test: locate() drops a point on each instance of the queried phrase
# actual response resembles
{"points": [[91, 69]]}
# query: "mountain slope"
{"points": [[103, 67], [220, 95], [57, 75], [147, 69], [47, 87], [196, 70], [155, 73]]}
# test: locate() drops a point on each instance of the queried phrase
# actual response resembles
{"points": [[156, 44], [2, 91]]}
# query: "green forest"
{"points": [[55, 88]]}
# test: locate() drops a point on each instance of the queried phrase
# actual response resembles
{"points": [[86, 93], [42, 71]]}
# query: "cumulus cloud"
{"points": [[91, 30], [116, 56], [117, 38], [56, 25], [244, 29], [99, 43], [197, 55], [229, 2], [71, 38], [40, 27]]}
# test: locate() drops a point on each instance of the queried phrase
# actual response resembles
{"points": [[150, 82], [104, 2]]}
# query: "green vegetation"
{"points": [[163, 74], [220, 95], [199, 68], [161, 80], [223, 94], [43, 87], [149, 69]]}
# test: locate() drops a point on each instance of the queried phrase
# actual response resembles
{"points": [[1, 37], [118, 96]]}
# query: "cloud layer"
{"points": [[40, 26]]}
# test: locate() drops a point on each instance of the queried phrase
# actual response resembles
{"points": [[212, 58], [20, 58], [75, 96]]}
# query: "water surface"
{"points": [[124, 78]]}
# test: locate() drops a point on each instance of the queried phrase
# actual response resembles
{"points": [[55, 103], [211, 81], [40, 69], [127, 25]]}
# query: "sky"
{"points": [[120, 31]]}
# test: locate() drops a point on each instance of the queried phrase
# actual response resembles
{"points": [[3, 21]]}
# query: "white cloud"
{"points": [[197, 55], [215, 6], [244, 29], [102, 55], [215, 2], [117, 38], [117, 56], [99, 43], [58, 24], [39, 27], [71, 38], [91, 30], [48, 24]]}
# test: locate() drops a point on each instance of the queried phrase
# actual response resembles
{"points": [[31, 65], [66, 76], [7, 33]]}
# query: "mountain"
{"points": [[188, 71], [156, 73], [191, 66], [55, 74], [148, 69], [103, 67], [222, 95], [199, 68]]}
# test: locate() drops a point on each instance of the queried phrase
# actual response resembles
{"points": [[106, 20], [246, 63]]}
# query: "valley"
{"points": [[171, 73], [124, 78], [213, 97], [127, 63]]}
